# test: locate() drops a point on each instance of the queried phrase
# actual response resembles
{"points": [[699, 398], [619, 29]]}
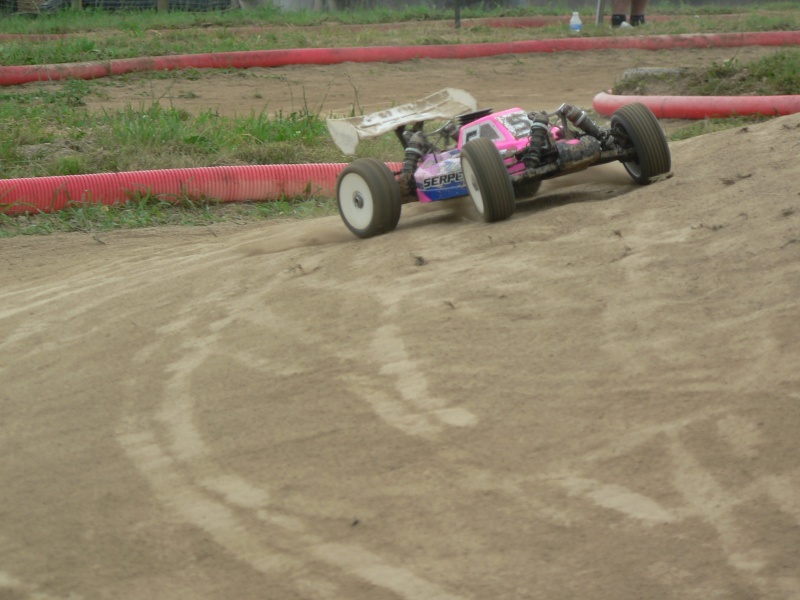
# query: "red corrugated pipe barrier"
{"points": [[15, 75], [701, 107], [226, 184]]}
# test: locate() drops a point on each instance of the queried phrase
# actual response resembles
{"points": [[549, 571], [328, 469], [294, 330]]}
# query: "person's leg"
{"points": [[618, 9], [638, 8]]}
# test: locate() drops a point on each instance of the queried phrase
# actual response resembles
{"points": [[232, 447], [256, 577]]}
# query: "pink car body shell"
{"points": [[439, 175]]}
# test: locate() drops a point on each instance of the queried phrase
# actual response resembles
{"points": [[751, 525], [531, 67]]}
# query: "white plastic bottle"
{"points": [[575, 23]]}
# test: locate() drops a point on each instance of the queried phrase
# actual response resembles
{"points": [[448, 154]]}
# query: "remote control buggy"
{"points": [[495, 158]]}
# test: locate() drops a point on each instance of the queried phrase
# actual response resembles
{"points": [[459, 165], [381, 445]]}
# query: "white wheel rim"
{"points": [[472, 185], [355, 201]]}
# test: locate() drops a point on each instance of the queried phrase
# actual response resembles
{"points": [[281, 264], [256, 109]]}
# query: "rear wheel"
{"points": [[368, 198], [638, 125], [527, 189], [487, 180]]}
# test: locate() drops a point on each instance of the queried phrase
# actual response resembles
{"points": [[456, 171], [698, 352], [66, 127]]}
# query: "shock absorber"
{"points": [[539, 143], [415, 150], [416, 146], [584, 122]]}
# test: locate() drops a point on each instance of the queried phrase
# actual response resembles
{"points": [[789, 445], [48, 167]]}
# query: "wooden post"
{"points": [[162, 5], [458, 14], [77, 4], [598, 16]]}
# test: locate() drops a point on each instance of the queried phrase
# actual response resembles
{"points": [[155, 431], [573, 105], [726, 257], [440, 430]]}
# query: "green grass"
{"points": [[52, 133], [713, 125], [149, 211], [774, 74]]}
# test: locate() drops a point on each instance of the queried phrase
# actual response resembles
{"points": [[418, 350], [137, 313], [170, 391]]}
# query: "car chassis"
{"points": [[496, 158]]}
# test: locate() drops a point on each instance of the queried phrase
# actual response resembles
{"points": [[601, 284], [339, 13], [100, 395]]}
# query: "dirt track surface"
{"points": [[595, 399]]}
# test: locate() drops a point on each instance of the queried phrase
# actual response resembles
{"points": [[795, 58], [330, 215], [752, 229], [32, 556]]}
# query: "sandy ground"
{"points": [[595, 399]]}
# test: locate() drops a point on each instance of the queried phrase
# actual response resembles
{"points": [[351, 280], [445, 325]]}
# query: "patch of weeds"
{"points": [[147, 210], [386, 147], [192, 74], [269, 154], [302, 127], [151, 126], [69, 165], [774, 74], [299, 40], [299, 208], [433, 41], [712, 125]]}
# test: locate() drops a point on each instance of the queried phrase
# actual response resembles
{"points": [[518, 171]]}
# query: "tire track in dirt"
{"points": [[183, 474]]}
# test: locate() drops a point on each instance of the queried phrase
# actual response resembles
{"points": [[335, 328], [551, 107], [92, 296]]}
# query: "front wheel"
{"points": [[527, 189], [487, 180], [368, 198], [638, 125]]}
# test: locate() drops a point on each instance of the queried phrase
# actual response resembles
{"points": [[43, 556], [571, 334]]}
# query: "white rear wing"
{"points": [[446, 104]]}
